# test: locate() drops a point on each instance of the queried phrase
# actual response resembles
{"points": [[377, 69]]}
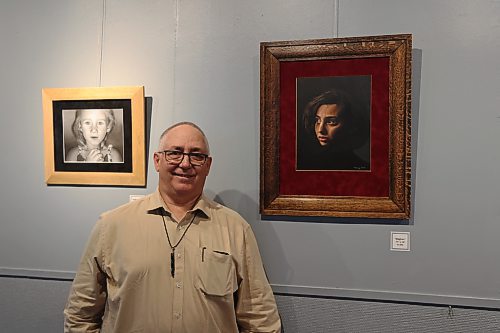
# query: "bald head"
{"points": [[188, 123]]}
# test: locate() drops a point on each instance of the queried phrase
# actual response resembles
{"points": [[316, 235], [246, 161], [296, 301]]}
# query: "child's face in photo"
{"points": [[94, 127]]}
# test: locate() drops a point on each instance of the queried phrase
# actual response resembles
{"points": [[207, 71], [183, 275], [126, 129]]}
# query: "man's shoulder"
{"points": [[221, 212], [129, 209]]}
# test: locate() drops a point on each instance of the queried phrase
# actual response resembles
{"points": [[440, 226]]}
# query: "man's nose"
{"points": [[185, 162]]}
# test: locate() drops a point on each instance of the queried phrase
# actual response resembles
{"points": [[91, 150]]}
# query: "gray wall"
{"points": [[34, 305], [199, 61]]}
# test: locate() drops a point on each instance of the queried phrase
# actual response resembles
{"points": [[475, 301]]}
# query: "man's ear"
{"points": [[156, 160], [208, 164]]}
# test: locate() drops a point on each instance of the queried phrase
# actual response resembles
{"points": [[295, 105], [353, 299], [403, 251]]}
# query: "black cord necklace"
{"points": [[172, 254]]}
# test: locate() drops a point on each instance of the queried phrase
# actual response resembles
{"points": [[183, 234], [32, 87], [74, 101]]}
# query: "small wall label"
{"points": [[133, 197], [400, 241]]}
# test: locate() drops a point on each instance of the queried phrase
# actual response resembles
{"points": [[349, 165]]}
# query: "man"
{"points": [[173, 261]]}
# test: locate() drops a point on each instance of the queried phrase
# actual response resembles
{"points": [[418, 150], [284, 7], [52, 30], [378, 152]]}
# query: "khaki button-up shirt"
{"points": [[124, 282]]}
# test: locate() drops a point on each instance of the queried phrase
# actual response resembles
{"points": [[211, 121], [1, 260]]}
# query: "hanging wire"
{"points": [[174, 71], [103, 20], [336, 18]]}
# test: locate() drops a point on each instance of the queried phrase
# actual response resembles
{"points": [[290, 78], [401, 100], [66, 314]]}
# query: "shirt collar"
{"points": [[157, 206]]}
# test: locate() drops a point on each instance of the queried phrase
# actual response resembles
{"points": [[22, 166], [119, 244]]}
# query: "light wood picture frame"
{"points": [[77, 120]]}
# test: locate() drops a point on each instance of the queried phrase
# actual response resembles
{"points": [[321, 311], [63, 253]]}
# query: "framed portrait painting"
{"points": [[336, 127], [94, 136]]}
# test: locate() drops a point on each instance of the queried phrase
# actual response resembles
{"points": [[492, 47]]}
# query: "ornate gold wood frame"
{"points": [[274, 59]]}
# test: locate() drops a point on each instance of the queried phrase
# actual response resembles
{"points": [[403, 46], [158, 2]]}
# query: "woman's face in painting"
{"points": [[94, 127], [328, 124]]}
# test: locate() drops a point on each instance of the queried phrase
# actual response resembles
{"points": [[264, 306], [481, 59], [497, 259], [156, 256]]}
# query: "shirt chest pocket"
{"points": [[217, 273]]}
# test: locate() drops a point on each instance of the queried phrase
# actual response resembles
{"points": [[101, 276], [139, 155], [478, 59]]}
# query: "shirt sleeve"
{"points": [[256, 309], [87, 298]]}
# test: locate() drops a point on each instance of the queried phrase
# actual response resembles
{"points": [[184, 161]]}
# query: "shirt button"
{"points": [[178, 255], [178, 284], [177, 315]]}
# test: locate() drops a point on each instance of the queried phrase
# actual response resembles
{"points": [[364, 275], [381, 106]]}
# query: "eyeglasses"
{"points": [[176, 157]]}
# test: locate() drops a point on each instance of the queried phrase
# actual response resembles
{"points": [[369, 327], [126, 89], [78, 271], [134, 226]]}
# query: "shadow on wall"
{"points": [[416, 74], [304, 241], [311, 272], [269, 243], [148, 104]]}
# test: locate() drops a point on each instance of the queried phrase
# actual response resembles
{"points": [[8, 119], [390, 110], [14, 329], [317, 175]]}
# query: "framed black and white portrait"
{"points": [[94, 136]]}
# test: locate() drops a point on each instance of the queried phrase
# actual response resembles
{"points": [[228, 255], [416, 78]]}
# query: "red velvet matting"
{"points": [[372, 183]]}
